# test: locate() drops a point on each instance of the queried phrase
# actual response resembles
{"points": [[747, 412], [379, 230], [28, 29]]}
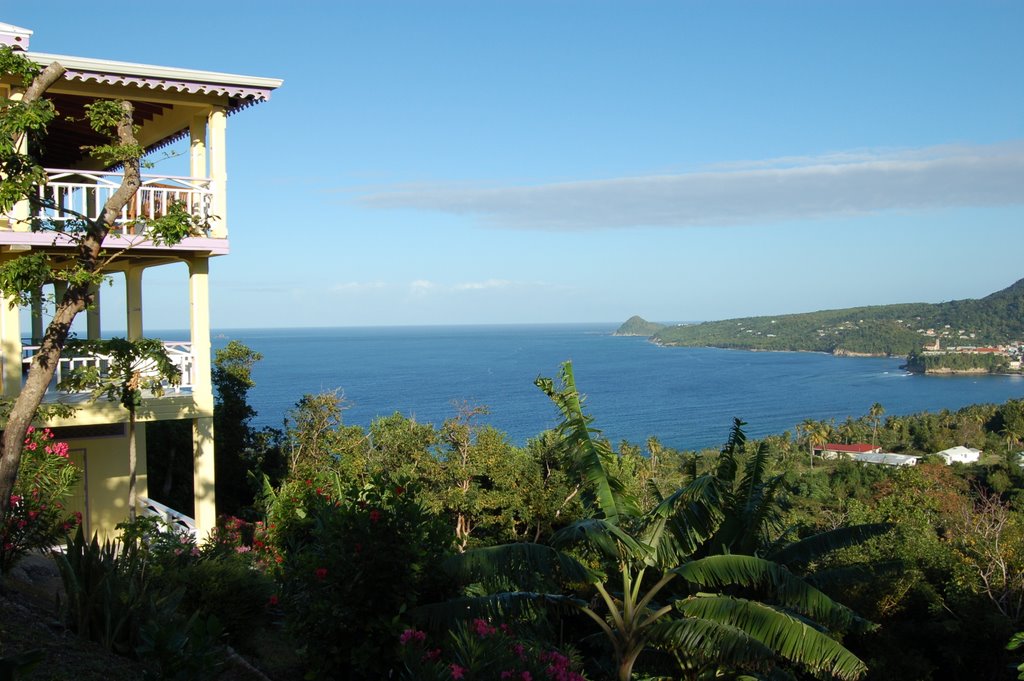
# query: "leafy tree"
{"points": [[243, 454], [133, 367]]}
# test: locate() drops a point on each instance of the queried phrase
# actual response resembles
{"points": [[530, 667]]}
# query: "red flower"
{"points": [[273, 600], [374, 516], [399, 490], [457, 671], [321, 573]]}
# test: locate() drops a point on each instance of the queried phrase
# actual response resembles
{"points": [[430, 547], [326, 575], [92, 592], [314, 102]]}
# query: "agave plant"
{"points": [[667, 579]]}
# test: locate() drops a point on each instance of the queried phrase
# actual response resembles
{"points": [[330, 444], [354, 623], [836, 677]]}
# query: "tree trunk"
{"points": [[44, 364], [133, 460]]}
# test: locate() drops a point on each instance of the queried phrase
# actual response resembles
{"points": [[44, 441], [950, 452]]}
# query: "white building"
{"points": [[886, 459], [960, 454]]}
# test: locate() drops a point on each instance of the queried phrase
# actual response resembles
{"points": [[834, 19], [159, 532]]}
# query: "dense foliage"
{"points": [[426, 552], [922, 363]]}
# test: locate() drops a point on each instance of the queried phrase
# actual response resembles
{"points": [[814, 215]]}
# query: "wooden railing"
{"points": [[70, 195], [180, 354]]}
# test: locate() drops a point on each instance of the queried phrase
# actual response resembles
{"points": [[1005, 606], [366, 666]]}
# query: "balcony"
{"points": [[71, 195], [180, 354]]}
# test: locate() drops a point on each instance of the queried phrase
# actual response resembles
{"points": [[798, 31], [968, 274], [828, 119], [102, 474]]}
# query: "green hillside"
{"points": [[638, 326], [877, 330]]}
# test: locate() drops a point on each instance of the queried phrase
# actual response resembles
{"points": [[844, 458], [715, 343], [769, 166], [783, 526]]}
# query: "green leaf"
{"points": [[781, 632], [783, 587]]}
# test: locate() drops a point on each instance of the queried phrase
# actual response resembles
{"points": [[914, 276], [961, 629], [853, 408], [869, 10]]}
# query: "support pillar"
{"points": [[203, 475], [218, 173], [199, 323], [133, 301], [10, 348], [202, 393]]}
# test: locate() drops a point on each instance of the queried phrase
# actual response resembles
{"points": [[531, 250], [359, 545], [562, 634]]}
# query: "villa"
{"points": [[171, 105]]}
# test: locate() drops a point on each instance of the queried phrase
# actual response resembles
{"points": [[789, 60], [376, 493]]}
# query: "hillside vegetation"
{"points": [[876, 330]]}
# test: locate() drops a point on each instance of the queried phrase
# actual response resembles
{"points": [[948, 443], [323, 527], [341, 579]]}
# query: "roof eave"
{"points": [[153, 71]]}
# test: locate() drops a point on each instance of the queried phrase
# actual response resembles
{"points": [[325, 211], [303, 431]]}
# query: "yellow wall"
{"points": [[105, 479]]}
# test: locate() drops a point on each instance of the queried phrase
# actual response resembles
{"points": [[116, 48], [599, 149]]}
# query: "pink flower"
{"points": [[413, 635], [457, 671], [432, 655], [15, 499], [526, 676], [482, 628]]}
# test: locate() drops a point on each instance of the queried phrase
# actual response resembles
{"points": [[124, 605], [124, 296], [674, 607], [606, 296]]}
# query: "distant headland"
{"points": [[959, 336]]}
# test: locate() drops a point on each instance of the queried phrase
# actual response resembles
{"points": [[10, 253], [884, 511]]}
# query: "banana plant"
{"points": [[665, 579]]}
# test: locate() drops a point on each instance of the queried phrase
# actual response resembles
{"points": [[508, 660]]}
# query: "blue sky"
{"points": [[510, 162]]}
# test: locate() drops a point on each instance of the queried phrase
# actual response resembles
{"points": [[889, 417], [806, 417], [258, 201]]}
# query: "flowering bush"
{"points": [[37, 517], [480, 651], [352, 562]]}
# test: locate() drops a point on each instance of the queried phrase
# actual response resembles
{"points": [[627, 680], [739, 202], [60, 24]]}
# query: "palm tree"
{"points": [[669, 578], [875, 413]]}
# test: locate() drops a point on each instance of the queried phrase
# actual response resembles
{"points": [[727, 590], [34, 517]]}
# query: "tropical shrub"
{"points": [[480, 651], [37, 518], [354, 560]]}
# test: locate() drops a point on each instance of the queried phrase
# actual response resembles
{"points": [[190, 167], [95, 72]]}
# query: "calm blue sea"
{"points": [[686, 397]]}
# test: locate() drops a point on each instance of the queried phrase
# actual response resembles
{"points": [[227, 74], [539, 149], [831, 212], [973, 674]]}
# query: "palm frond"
{"points": [[601, 534], [589, 454], [814, 547], [753, 472], [524, 564], [685, 519], [728, 459], [782, 586], [786, 635], [711, 641]]}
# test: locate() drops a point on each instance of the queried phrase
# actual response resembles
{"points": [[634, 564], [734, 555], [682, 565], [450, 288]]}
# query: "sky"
{"points": [[486, 162]]}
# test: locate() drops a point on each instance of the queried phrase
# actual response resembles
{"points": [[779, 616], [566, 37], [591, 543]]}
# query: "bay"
{"points": [[687, 397]]}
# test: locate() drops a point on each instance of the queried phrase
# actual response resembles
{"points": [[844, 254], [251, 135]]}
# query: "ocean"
{"points": [[687, 397]]}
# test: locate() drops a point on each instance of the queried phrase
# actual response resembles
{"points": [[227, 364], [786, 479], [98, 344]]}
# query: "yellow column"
{"points": [[218, 172], [203, 475], [197, 147], [20, 213], [92, 315], [133, 301], [199, 322], [10, 348], [202, 394]]}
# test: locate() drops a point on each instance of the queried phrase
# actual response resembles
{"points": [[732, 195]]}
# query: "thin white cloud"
{"points": [[357, 286], [482, 285], [837, 184]]}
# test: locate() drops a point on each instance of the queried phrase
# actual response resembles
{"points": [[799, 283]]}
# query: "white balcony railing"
{"points": [[180, 354], [69, 195], [177, 521]]}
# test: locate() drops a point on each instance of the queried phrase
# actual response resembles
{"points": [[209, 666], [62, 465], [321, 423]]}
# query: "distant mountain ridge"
{"points": [[893, 330]]}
